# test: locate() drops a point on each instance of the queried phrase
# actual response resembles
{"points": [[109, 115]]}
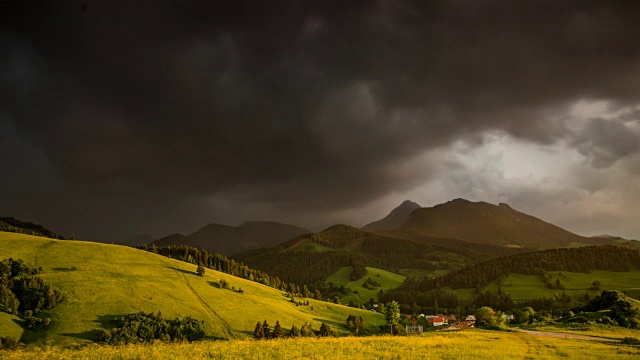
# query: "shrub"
{"points": [[630, 341], [8, 343]]}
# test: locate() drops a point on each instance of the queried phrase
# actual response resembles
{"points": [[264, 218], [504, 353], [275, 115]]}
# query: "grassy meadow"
{"points": [[468, 344], [522, 287], [100, 282], [386, 279]]}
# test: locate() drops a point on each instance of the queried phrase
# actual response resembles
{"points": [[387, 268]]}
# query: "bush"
{"points": [[630, 341], [578, 319], [8, 343]]}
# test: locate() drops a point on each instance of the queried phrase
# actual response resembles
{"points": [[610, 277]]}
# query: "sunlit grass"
{"points": [[476, 344], [110, 280]]}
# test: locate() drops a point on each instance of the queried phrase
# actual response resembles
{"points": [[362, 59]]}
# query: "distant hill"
{"points": [[173, 239], [395, 219], [230, 240], [11, 224], [102, 282], [139, 240], [529, 276], [311, 258], [485, 223]]}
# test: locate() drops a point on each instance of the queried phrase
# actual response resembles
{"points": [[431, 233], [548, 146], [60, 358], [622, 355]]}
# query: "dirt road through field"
{"points": [[566, 336]]}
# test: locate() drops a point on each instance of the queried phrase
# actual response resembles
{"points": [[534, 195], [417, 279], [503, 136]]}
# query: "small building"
{"points": [[413, 329], [508, 317], [469, 321], [436, 321]]}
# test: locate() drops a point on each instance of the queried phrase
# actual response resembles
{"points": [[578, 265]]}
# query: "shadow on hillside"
{"points": [[215, 285], [183, 271], [85, 335], [109, 321], [105, 322], [65, 269], [329, 322]]}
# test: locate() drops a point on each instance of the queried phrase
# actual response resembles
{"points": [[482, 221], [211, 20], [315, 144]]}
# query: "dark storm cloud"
{"points": [[304, 102]]}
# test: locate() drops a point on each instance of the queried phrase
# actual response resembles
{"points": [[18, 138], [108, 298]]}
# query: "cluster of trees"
{"points": [[623, 311], [355, 324], [433, 301], [10, 224], [205, 259], [264, 332], [22, 291], [425, 294], [548, 280], [357, 271], [370, 284], [144, 328], [583, 259]]}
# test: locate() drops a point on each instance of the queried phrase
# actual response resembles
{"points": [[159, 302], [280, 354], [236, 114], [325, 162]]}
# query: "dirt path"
{"points": [[204, 303], [566, 336]]}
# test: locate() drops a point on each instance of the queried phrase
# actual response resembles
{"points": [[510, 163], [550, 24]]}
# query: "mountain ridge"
{"points": [[395, 218], [485, 223]]}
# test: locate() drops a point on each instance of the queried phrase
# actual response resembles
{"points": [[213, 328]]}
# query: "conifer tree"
{"points": [[295, 332], [324, 330], [258, 333], [266, 330], [200, 271], [317, 295], [277, 331]]}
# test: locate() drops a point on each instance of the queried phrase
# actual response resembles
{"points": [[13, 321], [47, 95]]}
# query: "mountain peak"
{"points": [[395, 219], [486, 223]]}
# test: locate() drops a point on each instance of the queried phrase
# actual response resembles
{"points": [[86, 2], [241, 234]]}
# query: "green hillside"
{"points": [[576, 285], [386, 279], [100, 282]]}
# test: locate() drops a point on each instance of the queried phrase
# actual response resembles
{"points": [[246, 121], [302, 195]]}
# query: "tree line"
{"points": [[205, 259], [14, 225], [584, 260]]}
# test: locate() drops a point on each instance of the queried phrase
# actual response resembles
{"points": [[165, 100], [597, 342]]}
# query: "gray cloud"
{"points": [[305, 104]]}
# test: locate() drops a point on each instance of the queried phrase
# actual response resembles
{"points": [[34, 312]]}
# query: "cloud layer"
{"points": [[317, 106]]}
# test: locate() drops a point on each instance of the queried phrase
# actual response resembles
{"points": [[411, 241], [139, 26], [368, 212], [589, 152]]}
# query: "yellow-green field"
{"points": [[472, 344], [521, 286], [386, 279], [100, 282]]}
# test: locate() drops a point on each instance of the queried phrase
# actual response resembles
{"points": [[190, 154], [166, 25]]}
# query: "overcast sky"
{"points": [[120, 118]]}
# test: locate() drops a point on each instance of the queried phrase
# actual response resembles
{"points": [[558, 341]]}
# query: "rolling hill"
{"points": [[396, 218], [311, 258], [481, 222], [529, 276], [361, 294], [100, 282], [11, 224], [138, 240], [230, 240]]}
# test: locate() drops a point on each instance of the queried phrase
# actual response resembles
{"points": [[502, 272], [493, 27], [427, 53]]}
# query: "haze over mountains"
{"points": [[230, 240], [473, 223]]}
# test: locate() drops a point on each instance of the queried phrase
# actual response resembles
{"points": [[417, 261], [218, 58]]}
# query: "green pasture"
{"points": [[386, 279], [100, 282]]}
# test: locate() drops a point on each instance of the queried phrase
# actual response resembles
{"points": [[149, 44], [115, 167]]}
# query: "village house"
{"points": [[469, 321]]}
